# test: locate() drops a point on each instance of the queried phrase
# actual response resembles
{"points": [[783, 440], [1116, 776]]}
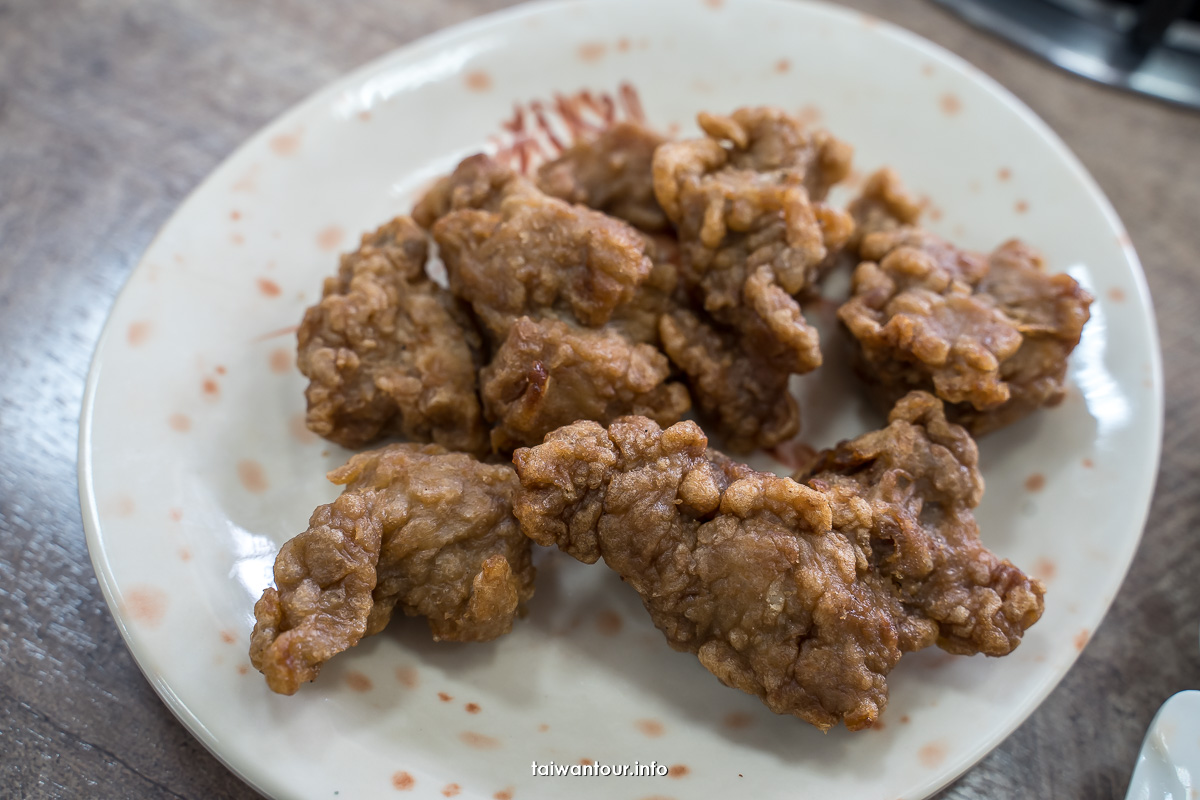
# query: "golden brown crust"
{"points": [[538, 255], [804, 595], [884, 204], [547, 374], [767, 139], [416, 528], [738, 388], [750, 195], [325, 577], [736, 566], [389, 352], [478, 182], [753, 231], [661, 293], [610, 172], [569, 299], [905, 495], [1049, 312], [989, 335]]}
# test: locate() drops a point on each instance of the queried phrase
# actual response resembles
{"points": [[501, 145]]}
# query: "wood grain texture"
{"points": [[112, 110]]}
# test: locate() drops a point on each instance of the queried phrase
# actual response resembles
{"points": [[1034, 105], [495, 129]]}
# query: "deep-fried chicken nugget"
{"points": [[387, 351], [416, 527]]}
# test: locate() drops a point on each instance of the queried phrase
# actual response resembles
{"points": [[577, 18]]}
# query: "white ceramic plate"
{"points": [[195, 466]]}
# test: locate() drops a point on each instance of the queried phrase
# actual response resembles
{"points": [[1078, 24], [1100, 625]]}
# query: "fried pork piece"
{"points": [[587, 267], [547, 374], [416, 528], [746, 201], [536, 255], [739, 375], [749, 195], [736, 566], [739, 378], [989, 335], [569, 298], [611, 173], [660, 293], [387, 351], [781, 589], [478, 182], [884, 205], [1050, 312], [739, 388], [904, 496]]}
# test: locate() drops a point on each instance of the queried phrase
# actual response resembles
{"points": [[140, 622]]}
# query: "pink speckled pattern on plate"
{"points": [[195, 465]]}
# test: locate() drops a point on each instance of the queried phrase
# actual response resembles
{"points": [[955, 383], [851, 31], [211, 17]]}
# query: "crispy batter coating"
{"points": [[766, 139], [904, 496], [627, 282], [883, 205], [989, 335], [537, 255], [611, 173], [660, 293], [569, 298], [780, 588], [1050, 312], [387, 351], [739, 374], [548, 374], [746, 201], [479, 182], [749, 195], [736, 566], [737, 387], [417, 528]]}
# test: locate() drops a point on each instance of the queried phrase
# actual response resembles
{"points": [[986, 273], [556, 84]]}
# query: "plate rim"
{"points": [[414, 50]]}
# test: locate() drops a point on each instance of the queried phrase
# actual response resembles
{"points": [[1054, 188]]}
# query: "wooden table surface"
{"points": [[112, 110]]}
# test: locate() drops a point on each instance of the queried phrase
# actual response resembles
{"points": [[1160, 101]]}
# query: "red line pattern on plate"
{"points": [[540, 130]]}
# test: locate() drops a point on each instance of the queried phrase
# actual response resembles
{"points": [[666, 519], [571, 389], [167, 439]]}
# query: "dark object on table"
{"points": [[1147, 46]]}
